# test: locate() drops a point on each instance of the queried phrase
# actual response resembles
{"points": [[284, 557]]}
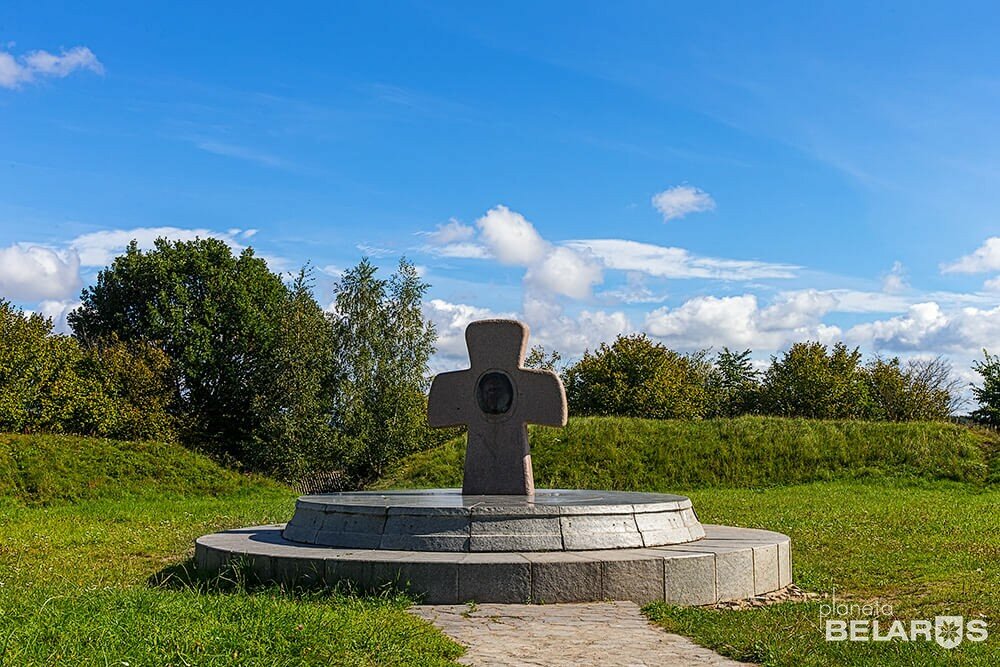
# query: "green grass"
{"points": [[908, 514], [925, 548], [86, 524], [653, 455]]}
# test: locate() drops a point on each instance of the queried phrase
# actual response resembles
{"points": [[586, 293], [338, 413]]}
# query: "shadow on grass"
{"points": [[237, 577]]}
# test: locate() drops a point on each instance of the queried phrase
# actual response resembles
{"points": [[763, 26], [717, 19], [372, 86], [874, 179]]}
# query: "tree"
{"points": [[733, 384], [636, 377], [50, 383], [810, 382], [226, 323], [542, 359], [987, 394], [920, 390], [383, 344]]}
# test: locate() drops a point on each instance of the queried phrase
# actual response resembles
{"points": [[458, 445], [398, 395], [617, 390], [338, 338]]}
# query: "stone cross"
{"points": [[496, 398]]}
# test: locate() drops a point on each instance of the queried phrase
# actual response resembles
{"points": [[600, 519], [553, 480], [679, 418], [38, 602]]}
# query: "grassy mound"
{"points": [[748, 452], [39, 469], [91, 526]]}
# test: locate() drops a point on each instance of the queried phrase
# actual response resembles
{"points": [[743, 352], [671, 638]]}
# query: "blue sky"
{"points": [[740, 174]]}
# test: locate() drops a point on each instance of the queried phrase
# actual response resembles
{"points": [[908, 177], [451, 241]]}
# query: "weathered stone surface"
{"points": [[599, 634], [729, 564], [446, 520], [734, 574], [765, 569], [560, 577], [784, 563], [639, 580], [495, 399], [689, 578], [495, 578], [600, 531]]}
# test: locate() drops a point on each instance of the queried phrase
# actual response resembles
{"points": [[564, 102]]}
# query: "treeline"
{"points": [[637, 377], [190, 342]]}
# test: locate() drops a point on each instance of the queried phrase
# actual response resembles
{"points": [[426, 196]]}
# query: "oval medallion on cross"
{"points": [[496, 398]]}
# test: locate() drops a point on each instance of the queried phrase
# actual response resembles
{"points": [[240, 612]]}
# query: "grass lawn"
{"points": [[926, 549], [74, 573], [908, 514]]}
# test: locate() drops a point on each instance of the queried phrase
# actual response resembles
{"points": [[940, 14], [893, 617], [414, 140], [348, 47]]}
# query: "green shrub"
{"points": [[809, 381], [636, 377], [50, 383]]}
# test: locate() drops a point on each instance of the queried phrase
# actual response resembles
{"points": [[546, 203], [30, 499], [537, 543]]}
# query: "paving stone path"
{"points": [[609, 634]]}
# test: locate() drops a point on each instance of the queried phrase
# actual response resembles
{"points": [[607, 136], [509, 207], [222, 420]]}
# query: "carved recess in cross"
{"points": [[496, 399]]}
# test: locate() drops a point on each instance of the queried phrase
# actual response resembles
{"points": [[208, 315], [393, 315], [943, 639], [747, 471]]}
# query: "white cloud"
{"points": [[58, 311], [739, 322], [29, 67], [668, 262], [635, 290], [895, 280], [567, 272], [242, 153], [453, 231], [926, 327], [450, 320], [570, 336], [375, 251], [454, 239], [992, 285], [460, 251], [100, 248], [33, 272], [676, 202], [510, 237], [983, 259]]}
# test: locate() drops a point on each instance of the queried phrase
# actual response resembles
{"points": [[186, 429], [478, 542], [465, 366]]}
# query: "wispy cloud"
{"points": [[985, 258], [670, 262], [243, 153], [27, 68]]}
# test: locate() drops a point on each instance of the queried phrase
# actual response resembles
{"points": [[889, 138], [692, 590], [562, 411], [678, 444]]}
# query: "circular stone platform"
{"points": [[728, 564], [558, 546], [444, 520]]}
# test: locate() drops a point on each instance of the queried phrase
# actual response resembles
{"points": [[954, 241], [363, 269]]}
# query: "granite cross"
{"points": [[496, 398]]}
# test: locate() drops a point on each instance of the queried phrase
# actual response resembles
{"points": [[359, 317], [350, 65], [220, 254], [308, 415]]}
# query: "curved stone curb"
{"points": [[728, 564], [447, 520]]}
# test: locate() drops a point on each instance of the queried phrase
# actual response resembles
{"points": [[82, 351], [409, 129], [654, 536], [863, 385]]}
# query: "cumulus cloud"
{"points": [[571, 335], [740, 322], [510, 237], [58, 312], [669, 262], [984, 259], [676, 202], [36, 64], [100, 248], [926, 327], [567, 272], [992, 285], [450, 320], [895, 280], [34, 272]]}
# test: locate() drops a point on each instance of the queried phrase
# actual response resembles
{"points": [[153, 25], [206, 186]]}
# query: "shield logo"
{"points": [[948, 631]]}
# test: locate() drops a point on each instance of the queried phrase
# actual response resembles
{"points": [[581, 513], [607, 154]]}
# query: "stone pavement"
{"points": [[608, 634]]}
